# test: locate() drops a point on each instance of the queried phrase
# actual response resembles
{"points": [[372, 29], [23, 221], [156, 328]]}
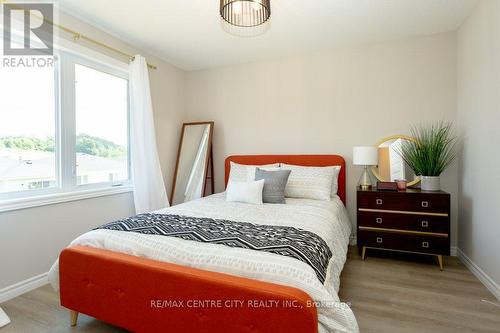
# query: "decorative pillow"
{"points": [[335, 182], [245, 173], [274, 186], [309, 182], [247, 192]]}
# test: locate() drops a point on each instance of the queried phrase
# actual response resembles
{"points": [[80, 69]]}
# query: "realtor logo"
{"points": [[35, 23]]}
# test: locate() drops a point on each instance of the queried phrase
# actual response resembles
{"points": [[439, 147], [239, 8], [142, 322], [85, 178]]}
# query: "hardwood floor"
{"points": [[390, 293], [39, 311], [387, 292]]}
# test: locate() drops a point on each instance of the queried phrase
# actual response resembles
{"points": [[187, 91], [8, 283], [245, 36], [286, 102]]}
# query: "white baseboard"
{"points": [[22, 287], [488, 282]]}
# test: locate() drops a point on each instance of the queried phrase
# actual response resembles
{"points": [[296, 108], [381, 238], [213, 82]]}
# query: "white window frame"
{"points": [[67, 80], [66, 188]]}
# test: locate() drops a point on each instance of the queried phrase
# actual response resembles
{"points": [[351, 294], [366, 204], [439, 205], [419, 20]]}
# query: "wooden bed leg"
{"points": [[440, 259], [73, 317], [363, 252]]}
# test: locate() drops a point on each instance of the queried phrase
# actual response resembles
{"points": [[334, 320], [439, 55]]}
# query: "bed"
{"points": [[151, 283]]}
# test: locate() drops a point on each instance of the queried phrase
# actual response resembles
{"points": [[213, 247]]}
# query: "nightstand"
{"points": [[409, 221]]}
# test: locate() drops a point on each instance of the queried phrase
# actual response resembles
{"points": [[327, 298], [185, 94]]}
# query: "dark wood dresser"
{"points": [[412, 221]]}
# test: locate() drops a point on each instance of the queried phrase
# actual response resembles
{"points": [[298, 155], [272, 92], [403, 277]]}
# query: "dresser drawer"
{"points": [[425, 223], [411, 202], [405, 242]]}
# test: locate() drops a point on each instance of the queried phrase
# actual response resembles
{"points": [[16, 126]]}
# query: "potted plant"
{"points": [[430, 153]]}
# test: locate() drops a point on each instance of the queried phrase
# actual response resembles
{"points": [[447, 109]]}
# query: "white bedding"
{"points": [[327, 219]]}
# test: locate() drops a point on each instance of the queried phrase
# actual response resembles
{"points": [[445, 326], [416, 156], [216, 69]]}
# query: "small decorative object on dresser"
{"points": [[411, 221], [387, 186], [401, 184]]}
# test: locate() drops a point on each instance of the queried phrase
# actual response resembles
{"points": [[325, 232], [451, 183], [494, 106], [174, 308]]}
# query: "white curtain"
{"points": [[149, 189]]}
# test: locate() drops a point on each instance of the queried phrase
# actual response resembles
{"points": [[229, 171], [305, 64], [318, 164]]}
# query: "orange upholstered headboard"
{"points": [[304, 160]]}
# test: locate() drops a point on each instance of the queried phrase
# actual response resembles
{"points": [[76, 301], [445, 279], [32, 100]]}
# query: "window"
{"points": [[63, 128], [101, 126], [27, 128]]}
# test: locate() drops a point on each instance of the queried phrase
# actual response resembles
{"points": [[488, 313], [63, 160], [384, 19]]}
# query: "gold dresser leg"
{"points": [[440, 259], [73, 317], [363, 252]]}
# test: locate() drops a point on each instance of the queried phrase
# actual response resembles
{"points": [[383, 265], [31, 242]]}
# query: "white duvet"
{"points": [[327, 219]]}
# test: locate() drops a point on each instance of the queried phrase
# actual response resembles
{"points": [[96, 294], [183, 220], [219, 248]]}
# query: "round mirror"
{"points": [[391, 166]]}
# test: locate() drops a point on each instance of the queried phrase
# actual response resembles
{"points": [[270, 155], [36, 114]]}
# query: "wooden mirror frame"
{"points": [[208, 159], [375, 167]]}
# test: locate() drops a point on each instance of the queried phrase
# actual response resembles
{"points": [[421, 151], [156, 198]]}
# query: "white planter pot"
{"points": [[430, 183]]}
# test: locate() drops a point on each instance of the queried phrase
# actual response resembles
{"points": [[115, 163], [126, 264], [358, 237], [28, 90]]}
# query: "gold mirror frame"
{"points": [[393, 137]]}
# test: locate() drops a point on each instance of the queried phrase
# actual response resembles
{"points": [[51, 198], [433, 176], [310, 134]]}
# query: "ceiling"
{"points": [[188, 33]]}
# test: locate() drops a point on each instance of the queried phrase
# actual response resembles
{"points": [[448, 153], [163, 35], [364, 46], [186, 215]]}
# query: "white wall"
{"points": [[328, 102], [479, 119], [31, 239]]}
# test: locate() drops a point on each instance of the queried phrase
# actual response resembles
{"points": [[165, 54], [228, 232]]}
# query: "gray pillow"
{"points": [[274, 185]]}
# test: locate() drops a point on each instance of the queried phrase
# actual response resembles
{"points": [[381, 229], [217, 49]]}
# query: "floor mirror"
{"points": [[194, 166]]}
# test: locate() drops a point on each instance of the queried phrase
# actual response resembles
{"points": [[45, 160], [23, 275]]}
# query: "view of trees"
{"points": [[84, 144], [98, 147], [27, 143]]}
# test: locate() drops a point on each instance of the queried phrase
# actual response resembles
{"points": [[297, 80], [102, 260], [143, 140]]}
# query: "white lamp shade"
{"points": [[365, 155]]}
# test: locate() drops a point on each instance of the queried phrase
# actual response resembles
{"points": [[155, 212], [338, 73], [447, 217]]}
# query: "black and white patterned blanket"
{"points": [[286, 241]]}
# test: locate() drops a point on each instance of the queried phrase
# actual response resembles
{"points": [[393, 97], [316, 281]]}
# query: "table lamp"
{"points": [[366, 156]]}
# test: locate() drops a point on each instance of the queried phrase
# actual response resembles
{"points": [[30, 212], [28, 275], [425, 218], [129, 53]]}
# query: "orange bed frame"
{"points": [[144, 295]]}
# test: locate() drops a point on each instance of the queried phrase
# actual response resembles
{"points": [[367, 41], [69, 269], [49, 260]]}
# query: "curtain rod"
{"points": [[79, 36]]}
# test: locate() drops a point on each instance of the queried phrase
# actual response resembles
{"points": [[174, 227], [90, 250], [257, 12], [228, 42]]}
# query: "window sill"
{"points": [[51, 199]]}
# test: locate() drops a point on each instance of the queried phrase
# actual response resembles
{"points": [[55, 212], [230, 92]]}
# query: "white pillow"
{"points": [[246, 173], [309, 182], [248, 192], [335, 182]]}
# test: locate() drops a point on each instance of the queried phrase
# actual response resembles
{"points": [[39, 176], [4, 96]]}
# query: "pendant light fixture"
{"points": [[245, 13]]}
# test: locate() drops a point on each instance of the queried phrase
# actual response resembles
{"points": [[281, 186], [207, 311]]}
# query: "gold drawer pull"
{"points": [[425, 245], [379, 201], [425, 224], [378, 220], [379, 240], [425, 204]]}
